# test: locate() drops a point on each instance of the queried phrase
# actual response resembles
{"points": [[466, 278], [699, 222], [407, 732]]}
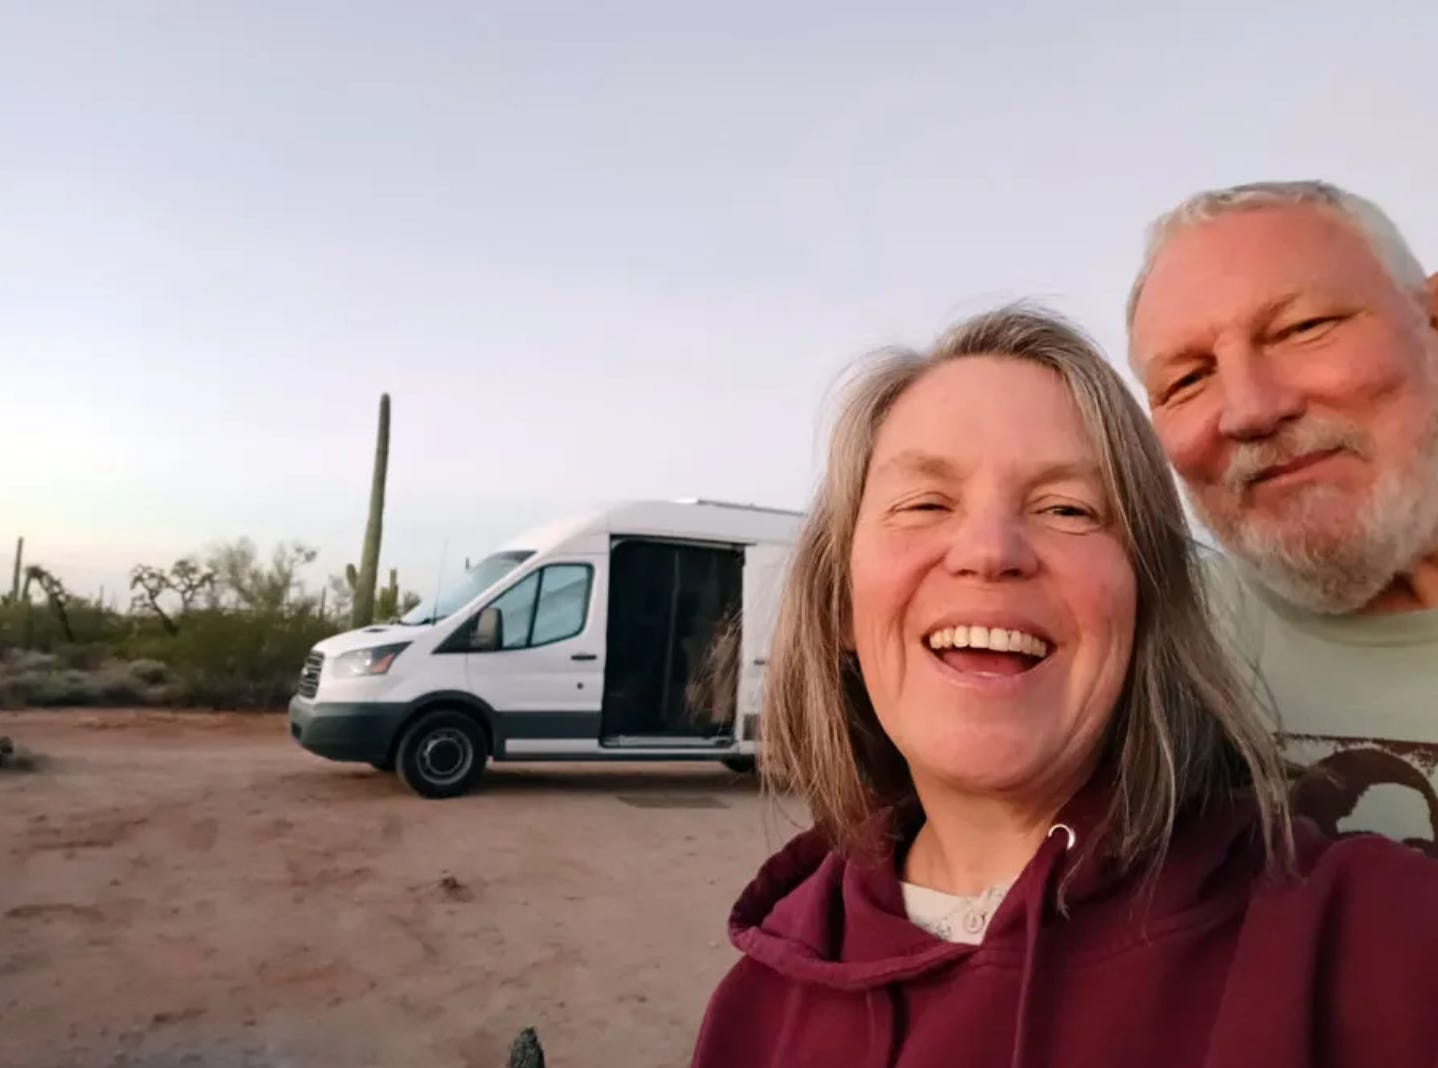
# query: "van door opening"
{"points": [[669, 604]]}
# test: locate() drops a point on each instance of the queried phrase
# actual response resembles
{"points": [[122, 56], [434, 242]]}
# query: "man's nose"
{"points": [[1256, 401], [990, 545]]}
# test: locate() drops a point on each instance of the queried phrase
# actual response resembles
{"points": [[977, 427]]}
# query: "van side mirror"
{"points": [[488, 631]]}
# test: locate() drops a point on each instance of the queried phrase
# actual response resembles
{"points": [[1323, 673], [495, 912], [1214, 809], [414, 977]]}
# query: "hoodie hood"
{"points": [[1200, 960], [838, 922]]}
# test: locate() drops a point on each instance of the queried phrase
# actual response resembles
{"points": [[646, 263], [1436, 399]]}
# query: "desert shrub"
{"points": [[55, 689], [152, 672], [117, 687], [229, 632], [83, 657], [229, 659], [33, 625], [45, 680], [12, 696], [21, 661], [220, 659]]}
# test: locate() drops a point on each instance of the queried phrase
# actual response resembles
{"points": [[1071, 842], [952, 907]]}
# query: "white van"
{"points": [[609, 636]]}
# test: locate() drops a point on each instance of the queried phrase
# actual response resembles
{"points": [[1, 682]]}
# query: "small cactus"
{"points": [[387, 601], [526, 1051]]}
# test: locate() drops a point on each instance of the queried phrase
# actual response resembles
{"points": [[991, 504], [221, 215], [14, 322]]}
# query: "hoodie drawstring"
{"points": [[1051, 854]]}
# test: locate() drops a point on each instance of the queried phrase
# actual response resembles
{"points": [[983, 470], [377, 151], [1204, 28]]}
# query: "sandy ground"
{"points": [[196, 890]]}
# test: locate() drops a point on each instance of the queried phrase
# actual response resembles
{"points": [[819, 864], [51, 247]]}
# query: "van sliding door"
{"points": [[670, 606]]}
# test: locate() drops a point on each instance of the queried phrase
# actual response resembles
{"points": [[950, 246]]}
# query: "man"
{"points": [[1287, 340]]}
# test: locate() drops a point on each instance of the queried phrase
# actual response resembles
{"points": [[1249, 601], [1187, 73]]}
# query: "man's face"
{"points": [[1294, 386]]}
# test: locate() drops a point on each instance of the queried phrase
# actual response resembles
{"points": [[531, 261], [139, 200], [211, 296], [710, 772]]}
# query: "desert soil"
{"points": [[195, 890]]}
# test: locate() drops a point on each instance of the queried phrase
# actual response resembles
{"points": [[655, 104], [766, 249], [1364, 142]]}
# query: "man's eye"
{"points": [[1307, 326], [1183, 383]]}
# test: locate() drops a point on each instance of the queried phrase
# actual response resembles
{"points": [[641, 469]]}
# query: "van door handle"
{"points": [[584, 656], [760, 662]]}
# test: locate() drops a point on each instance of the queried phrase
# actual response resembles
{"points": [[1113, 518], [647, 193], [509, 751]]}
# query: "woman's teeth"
{"points": [[996, 639]]}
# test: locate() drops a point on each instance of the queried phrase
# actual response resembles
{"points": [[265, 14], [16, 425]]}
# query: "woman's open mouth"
{"points": [[987, 651]]}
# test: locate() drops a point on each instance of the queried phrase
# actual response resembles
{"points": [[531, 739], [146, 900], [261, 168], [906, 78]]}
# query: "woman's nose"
{"points": [[990, 547]]}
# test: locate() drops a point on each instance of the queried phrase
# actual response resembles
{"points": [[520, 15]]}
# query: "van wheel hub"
{"points": [[445, 756]]}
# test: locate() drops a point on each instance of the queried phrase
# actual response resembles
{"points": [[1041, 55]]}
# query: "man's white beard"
{"points": [[1335, 571]]}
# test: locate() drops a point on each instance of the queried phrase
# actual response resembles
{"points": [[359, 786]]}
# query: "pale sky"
{"points": [[593, 250]]}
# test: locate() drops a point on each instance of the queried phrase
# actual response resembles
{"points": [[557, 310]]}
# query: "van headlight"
{"points": [[372, 661]]}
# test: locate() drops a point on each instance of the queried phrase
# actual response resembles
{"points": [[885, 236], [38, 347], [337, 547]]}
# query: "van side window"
{"points": [[548, 606], [563, 603], [517, 604]]}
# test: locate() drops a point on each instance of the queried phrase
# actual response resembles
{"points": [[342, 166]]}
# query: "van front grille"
{"points": [[310, 675]]}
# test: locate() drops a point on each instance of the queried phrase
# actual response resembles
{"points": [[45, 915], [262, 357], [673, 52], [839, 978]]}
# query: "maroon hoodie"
{"points": [[1209, 963]]}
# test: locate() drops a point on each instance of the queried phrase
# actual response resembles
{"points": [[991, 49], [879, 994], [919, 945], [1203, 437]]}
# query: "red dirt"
{"points": [[195, 890]]}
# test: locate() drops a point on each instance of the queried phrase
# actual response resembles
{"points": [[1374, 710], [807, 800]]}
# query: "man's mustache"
{"points": [[1313, 434]]}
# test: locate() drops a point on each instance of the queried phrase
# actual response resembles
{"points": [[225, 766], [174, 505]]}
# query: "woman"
{"points": [[1050, 830]]}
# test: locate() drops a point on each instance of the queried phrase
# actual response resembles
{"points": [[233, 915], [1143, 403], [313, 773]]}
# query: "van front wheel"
{"points": [[442, 754]]}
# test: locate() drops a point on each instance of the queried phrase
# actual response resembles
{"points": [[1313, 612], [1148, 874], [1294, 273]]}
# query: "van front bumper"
{"points": [[347, 730]]}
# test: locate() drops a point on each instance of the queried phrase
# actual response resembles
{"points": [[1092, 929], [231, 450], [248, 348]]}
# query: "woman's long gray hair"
{"points": [[1185, 730]]}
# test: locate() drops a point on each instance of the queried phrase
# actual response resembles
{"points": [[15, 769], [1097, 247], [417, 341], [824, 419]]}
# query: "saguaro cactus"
{"points": [[369, 560], [15, 581], [387, 599]]}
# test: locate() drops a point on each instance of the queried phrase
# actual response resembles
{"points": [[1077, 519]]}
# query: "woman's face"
{"points": [[993, 601]]}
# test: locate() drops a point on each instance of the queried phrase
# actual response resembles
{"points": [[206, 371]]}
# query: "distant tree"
{"points": [[187, 578], [341, 595], [55, 594], [247, 583], [149, 584]]}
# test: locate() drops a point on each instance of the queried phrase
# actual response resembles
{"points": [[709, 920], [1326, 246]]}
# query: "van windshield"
{"points": [[475, 581]]}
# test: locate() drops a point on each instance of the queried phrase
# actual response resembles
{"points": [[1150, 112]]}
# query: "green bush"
{"points": [[152, 672], [229, 632], [219, 659], [20, 661], [57, 689], [86, 657], [33, 625], [12, 697], [227, 659]]}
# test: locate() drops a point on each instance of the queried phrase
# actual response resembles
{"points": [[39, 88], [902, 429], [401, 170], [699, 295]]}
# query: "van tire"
{"points": [[387, 764], [740, 765], [442, 754]]}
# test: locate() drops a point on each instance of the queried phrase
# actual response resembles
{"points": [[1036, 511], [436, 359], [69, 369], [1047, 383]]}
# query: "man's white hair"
{"points": [[1364, 215]]}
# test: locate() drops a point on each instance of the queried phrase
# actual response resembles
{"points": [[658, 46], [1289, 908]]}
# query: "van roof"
{"points": [[692, 518]]}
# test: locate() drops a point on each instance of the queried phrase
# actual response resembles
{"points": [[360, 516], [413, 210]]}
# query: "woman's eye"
{"points": [[1073, 516], [922, 506]]}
